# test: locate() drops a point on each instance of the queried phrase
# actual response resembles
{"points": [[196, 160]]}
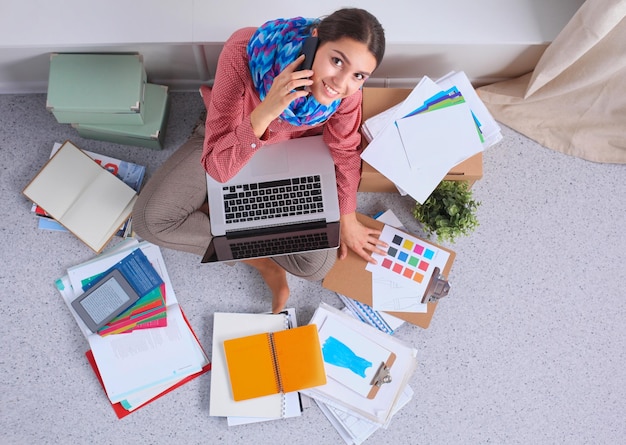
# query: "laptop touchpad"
{"points": [[273, 160]]}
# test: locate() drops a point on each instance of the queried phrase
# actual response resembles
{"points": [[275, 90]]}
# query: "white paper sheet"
{"points": [[489, 127], [435, 142], [386, 152], [356, 362]]}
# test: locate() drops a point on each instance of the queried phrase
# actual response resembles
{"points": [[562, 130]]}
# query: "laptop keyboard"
{"points": [[280, 246], [273, 199]]}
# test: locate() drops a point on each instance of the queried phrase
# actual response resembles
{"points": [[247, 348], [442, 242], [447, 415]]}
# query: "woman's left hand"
{"points": [[361, 239]]}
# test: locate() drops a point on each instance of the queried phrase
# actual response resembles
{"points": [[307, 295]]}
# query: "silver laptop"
{"points": [[283, 201]]}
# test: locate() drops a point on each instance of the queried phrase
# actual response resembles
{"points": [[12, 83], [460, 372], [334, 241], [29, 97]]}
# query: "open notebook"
{"points": [[82, 196], [274, 362]]}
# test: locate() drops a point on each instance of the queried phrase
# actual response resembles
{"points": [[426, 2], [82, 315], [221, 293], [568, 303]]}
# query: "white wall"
{"points": [[181, 39]]}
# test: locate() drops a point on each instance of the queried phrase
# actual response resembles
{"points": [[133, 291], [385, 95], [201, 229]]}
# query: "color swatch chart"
{"points": [[401, 277]]}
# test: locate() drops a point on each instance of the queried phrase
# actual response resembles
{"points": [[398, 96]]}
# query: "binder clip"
{"points": [[383, 375], [437, 287]]}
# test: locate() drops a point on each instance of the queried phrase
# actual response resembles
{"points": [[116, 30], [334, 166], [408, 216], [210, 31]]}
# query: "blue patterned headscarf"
{"points": [[274, 46]]}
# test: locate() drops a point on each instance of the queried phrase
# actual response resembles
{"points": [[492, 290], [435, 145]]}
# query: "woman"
{"points": [[257, 99]]}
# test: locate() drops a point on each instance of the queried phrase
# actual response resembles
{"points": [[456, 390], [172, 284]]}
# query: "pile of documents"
{"points": [[368, 373], [439, 125], [351, 356], [141, 364]]}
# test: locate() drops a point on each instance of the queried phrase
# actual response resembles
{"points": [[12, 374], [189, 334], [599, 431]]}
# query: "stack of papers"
{"points": [[439, 125], [353, 354], [139, 366]]}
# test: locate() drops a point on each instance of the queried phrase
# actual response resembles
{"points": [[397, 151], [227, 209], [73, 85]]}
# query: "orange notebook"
{"points": [[275, 362]]}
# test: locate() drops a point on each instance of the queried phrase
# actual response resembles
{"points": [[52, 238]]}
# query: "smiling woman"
{"points": [[257, 99], [339, 69]]}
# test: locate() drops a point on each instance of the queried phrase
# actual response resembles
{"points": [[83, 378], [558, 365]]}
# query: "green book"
{"points": [[150, 134], [97, 88]]}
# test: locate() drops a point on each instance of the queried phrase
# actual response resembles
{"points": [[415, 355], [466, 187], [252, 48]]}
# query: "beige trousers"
{"points": [[167, 213]]}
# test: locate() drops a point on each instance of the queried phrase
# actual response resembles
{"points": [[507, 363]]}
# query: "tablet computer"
{"points": [[105, 300]]}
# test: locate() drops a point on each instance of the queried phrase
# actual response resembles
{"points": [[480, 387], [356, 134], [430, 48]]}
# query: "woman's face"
{"points": [[340, 68]]}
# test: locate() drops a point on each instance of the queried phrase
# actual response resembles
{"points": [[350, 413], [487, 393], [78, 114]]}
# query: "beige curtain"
{"points": [[575, 99]]}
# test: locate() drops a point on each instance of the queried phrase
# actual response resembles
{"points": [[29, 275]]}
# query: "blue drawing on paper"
{"points": [[337, 353]]}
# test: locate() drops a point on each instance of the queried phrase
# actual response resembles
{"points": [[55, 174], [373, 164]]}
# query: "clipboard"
{"points": [[380, 408], [350, 278]]}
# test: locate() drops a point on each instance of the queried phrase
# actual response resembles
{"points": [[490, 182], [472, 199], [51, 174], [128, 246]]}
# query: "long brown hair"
{"points": [[357, 24]]}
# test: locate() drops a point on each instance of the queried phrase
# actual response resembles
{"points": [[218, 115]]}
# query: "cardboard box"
{"points": [[150, 134], [96, 88], [349, 277], [377, 100]]}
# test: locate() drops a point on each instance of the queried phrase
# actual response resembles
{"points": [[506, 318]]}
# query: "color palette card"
{"points": [[401, 277]]}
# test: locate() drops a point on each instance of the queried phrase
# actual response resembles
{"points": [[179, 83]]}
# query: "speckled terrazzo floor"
{"points": [[530, 346]]}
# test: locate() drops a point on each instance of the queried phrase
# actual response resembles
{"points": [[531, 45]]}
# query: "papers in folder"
{"points": [[439, 125]]}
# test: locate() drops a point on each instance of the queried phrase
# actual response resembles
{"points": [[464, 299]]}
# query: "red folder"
{"points": [[119, 410]]}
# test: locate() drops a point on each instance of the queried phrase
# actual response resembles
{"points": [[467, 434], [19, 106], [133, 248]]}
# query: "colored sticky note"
{"points": [[408, 244], [413, 261], [397, 240], [408, 273], [423, 266], [387, 263], [397, 268], [418, 277], [392, 251], [429, 254], [403, 256]]}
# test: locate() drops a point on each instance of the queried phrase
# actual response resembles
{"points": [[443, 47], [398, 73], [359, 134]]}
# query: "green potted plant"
{"points": [[450, 211]]}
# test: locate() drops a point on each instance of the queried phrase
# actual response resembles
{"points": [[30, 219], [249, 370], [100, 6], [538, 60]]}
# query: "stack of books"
{"points": [[107, 97], [157, 351], [130, 173], [438, 126]]}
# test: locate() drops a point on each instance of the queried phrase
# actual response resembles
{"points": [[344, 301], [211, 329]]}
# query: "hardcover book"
{"points": [[150, 134], [129, 172], [82, 196], [97, 88]]}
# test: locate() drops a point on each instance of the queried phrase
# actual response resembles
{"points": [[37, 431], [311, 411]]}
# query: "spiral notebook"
{"points": [[274, 362], [227, 326]]}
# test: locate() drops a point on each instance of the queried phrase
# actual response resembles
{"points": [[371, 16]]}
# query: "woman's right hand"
{"points": [[281, 94]]}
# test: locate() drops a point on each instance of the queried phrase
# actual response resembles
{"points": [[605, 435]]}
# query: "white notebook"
{"points": [[227, 326]]}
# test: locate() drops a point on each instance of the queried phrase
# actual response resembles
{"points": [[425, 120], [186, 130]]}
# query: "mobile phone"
{"points": [[309, 47]]}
